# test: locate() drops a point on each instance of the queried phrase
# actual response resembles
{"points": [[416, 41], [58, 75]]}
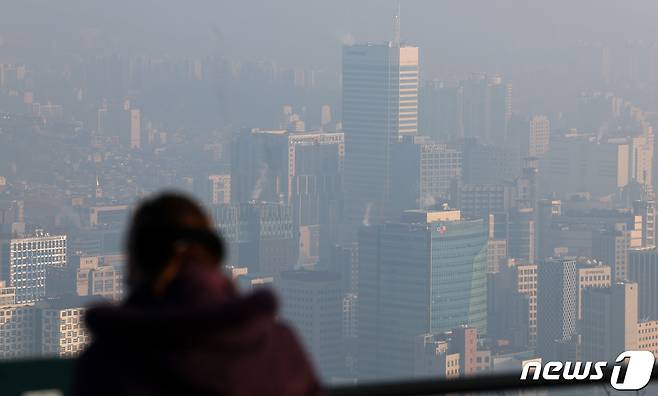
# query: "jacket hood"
{"points": [[196, 306]]}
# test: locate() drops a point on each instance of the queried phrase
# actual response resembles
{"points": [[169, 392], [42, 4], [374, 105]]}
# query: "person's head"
{"points": [[167, 232]]}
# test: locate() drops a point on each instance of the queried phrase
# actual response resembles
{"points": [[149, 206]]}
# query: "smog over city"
{"points": [[328, 195]]}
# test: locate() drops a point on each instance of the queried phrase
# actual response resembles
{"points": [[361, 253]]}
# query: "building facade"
{"points": [[609, 322], [380, 104], [25, 262], [425, 274], [643, 270], [540, 135], [557, 310], [312, 302]]}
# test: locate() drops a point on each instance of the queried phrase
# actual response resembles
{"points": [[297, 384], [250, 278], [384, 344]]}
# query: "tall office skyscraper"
{"points": [[609, 324], [590, 274], [276, 165], [423, 172], [488, 163], [262, 236], [312, 302], [643, 269], [303, 169], [486, 107], [522, 240], [440, 111], [380, 103], [556, 305], [612, 246], [512, 301], [579, 162], [425, 274]]}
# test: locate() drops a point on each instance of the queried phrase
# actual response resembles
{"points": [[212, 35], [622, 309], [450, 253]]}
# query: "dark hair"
{"points": [[159, 223]]}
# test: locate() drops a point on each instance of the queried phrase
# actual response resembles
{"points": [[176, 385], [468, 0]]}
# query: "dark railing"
{"points": [[487, 383], [21, 376]]}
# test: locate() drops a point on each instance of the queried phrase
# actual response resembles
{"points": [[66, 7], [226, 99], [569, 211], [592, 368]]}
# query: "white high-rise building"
{"points": [[540, 135], [18, 331], [25, 261], [135, 128], [61, 330], [380, 104]]}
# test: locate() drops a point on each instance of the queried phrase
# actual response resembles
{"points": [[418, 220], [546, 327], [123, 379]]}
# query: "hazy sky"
{"points": [[534, 43], [309, 31]]}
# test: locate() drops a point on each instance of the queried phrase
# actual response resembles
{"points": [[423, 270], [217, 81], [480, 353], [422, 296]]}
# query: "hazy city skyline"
{"points": [[474, 196]]}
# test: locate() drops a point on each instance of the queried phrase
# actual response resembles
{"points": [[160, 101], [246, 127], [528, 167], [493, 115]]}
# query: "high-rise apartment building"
{"points": [[380, 104], [25, 261], [425, 274]]}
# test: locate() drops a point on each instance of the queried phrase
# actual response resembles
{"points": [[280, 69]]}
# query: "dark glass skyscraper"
{"points": [[380, 103], [425, 274]]}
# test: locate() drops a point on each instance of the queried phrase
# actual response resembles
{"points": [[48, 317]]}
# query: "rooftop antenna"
{"points": [[396, 25]]}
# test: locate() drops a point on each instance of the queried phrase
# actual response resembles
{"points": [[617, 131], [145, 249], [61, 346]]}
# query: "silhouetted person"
{"points": [[184, 330]]}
